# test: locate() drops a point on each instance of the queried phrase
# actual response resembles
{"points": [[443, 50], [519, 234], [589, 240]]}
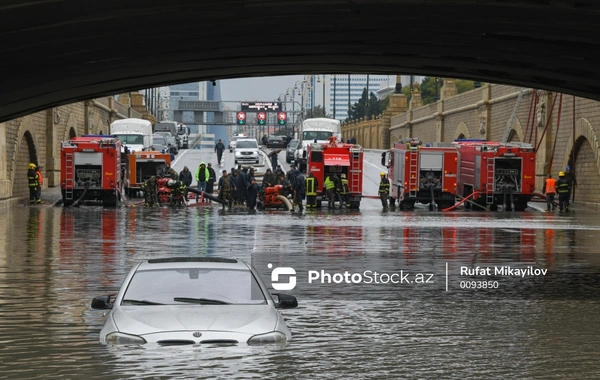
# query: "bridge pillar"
{"points": [[52, 159], [5, 182], [544, 153]]}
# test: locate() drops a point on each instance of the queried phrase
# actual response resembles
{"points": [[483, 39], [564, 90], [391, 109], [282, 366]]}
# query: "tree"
{"points": [[367, 106], [431, 88], [318, 111]]}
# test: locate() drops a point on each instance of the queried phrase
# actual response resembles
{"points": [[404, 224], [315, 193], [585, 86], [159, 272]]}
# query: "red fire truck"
{"points": [[140, 166], [91, 169], [501, 173], [423, 174], [324, 159]]}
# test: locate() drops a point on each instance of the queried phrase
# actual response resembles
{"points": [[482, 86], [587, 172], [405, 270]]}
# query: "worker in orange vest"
{"points": [[40, 181], [550, 191]]}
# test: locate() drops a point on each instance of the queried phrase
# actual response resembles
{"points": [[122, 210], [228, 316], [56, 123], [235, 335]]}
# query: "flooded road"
{"points": [[53, 261]]}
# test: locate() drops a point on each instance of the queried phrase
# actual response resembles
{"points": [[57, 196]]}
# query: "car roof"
{"points": [[193, 262]]}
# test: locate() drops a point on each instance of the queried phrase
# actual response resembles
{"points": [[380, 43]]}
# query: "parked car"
{"points": [[193, 300], [287, 140], [275, 142], [159, 143], [246, 152], [290, 150]]}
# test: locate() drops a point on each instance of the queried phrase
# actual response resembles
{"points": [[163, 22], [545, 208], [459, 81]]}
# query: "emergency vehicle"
{"points": [[140, 166], [91, 169], [499, 173], [324, 159], [423, 174]]}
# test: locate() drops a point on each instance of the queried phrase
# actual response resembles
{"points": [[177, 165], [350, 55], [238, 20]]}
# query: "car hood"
{"points": [[250, 319], [253, 150]]}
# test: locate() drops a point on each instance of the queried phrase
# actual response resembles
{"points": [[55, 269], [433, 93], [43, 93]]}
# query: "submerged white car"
{"points": [[181, 301]]}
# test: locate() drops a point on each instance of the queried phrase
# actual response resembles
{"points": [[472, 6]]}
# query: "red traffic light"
{"points": [[281, 116], [241, 115]]}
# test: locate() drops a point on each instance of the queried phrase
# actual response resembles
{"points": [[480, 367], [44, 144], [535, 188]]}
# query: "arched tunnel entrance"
{"points": [[26, 154]]}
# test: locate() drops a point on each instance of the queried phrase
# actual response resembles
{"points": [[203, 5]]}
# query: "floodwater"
{"points": [[54, 260]]}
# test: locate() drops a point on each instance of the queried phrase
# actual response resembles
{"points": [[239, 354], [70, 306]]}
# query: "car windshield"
{"points": [[246, 144], [158, 140], [165, 134], [131, 139], [319, 135], [293, 144], [170, 140], [176, 286]]}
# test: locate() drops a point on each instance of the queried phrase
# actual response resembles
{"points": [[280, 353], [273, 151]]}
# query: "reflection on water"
{"points": [[53, 261]]}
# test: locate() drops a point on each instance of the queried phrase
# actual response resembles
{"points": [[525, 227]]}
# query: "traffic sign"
{"points": [[281, 118], [262, 118], [241, 118]]}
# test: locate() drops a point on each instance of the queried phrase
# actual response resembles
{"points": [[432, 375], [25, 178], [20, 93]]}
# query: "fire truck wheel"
{"points": [[407, 205], [520, 204]]}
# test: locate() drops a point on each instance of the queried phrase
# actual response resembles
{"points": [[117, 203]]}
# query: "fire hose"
{"points": [[461, 202]]}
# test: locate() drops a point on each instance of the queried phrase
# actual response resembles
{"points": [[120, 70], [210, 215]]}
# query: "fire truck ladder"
{"points": [[511, 122], [489, 180], [355, 168], [70, 176], [413, 167]]}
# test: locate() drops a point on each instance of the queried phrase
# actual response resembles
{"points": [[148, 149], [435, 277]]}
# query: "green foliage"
{"points": [[367, 105], [318, 111], [431, 88]]}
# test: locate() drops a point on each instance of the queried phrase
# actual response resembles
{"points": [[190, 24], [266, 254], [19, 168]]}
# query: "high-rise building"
{"points": [[347, 89]]}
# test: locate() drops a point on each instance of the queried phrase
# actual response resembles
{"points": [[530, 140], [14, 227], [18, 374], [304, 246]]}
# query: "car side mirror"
{"points": [[102, 303], [384, 159], [285, 301]]}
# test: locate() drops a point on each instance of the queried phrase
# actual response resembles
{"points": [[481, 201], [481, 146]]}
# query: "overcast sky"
{"points": [[264, 89]]}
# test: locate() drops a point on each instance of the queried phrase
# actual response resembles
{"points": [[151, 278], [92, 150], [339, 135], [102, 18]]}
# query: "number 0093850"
{"points": [[479, 284]]}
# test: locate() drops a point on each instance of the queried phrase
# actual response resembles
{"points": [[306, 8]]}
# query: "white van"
{"points": [[315, 130]]}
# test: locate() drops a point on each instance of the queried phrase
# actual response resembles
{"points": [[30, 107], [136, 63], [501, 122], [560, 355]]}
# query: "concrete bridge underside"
{"points": [[59, 52]]}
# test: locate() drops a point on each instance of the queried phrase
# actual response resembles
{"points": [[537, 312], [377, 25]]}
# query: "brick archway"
{"points": [[25, 153], [462, 130], [583, 129]]}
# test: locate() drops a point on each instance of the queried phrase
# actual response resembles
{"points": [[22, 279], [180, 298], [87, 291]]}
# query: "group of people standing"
{"points": [[239, 187], [563, 187]]}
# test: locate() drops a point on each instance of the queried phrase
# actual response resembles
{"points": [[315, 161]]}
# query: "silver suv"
{"points": [[246, 152]]}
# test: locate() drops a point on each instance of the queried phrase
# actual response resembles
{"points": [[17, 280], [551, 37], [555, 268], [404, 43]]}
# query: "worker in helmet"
{"points": [[384, 190], [38, 171], [33, 180], [345, 190], [550, 190], [311, 186], [570, 177], [564, 192], [330, 190], [150, 187]]}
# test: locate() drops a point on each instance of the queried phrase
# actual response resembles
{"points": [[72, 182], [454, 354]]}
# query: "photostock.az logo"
{"points": [[282, 271]]}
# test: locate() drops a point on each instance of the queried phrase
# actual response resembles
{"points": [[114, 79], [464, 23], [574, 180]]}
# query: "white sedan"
{"points": [[180, 301]]}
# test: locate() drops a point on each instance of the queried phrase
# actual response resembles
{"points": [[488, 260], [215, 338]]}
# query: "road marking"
{"points": [[178, 157]]}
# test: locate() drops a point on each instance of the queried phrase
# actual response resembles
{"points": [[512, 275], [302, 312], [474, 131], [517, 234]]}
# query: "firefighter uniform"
{"points": [[564, 192], [345, 191], [312, 184], [330, 189], [226, 187], [384, 190], [149, 187], [34, 184]]}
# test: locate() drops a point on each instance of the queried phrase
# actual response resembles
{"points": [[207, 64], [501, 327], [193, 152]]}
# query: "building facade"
{"points": [[346, 89]]}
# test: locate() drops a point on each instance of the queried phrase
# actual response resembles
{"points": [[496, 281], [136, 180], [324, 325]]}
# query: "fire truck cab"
{"points": [[91, 169], [500, 173], [424, 174], [140, 166], [324, 159]]}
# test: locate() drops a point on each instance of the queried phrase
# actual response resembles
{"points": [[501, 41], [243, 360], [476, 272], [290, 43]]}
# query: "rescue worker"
{"points": [[242, 186], [311, 186], [212, 177], [570, 177], [299, 190], [338, 189], [149, 187], [34, 183], [273, 156], [292, 174], [165, 172], [177, 190], [186, 177], [202, 175], [251, 190], [550, 190], [41, 182], [173, 174], [268, 179], [219, 148], [564, 192], [345, 193], [384, 190], [330, 190], [226, 187]]}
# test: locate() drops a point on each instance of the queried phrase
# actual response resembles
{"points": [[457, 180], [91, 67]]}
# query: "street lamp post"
{"points": [[322, 78]]}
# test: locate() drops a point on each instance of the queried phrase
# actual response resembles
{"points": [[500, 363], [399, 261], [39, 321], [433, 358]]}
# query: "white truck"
{"points": [[315, 130], [135, 134], [184, 135]]}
